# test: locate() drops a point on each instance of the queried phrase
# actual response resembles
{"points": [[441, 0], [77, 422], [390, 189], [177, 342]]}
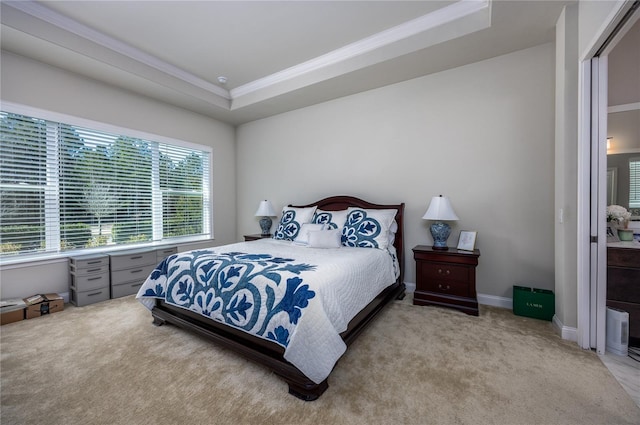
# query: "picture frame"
{"points": [[612, 234], [467, 240]]}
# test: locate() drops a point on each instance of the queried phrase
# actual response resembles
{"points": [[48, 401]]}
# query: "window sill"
{"points": [[10, 262]]}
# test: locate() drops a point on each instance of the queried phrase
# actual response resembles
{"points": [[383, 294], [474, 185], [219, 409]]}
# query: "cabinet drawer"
{"points": [[139, 273], [132, 259], [125, 289], [88, 262], [90, 282], [449, 287], [623, 257], [623, 284], [163, 253], [443, 271], [92, 270], [89, 297]]}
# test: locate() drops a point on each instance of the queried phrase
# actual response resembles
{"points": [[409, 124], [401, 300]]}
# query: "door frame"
{"points": [[592, 169]]}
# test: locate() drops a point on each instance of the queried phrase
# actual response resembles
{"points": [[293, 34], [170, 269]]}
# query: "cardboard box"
{"points": [[39, 305], [532, 302], [11, 310]]}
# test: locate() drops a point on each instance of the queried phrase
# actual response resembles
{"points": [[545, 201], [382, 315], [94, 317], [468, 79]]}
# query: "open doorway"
{"points": [[615, 151]]}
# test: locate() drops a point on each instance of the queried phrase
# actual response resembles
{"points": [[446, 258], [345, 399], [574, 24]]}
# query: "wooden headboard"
{"points": [[342, 202]]}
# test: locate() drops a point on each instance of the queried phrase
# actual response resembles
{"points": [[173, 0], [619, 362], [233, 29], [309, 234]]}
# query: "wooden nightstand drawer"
{"points": [[445, 272], [450, 287]]}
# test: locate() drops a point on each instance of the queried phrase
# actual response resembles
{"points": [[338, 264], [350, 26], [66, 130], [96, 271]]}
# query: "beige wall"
{"points": [[34, 84], [481, 134]]}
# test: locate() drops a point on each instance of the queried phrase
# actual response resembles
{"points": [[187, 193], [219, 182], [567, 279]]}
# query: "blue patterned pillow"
{"points": [[367, 228], [332, 219], [291, 222]]}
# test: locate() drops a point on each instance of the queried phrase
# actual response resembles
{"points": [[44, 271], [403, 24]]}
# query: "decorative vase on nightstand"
{"points": [[625, 234]]}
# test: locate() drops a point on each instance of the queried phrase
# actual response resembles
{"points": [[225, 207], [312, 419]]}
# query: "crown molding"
{"points": [[45, 14], [455, 14], [408, 29]]}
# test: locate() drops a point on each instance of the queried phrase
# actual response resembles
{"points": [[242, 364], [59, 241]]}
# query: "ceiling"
{"points": [[276, 56]]}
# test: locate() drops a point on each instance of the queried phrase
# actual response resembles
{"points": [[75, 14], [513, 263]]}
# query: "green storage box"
{"points": [[532, 302]]}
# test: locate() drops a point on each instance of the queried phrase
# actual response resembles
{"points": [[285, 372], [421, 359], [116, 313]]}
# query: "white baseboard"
{"points": [[495, 301], [484, 299], [565, 332]]}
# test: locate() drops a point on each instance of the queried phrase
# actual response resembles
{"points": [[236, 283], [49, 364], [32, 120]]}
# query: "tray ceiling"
{"points": [[275, 55]]}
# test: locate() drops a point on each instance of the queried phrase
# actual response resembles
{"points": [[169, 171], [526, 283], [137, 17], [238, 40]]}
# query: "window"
{"points": [[65, 187], [634, 182]]}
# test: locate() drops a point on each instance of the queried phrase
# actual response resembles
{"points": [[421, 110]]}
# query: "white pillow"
{"points": [[368, 228], [332, 219], [392, 232], [303, 235], [325, 238], [291, 222]]}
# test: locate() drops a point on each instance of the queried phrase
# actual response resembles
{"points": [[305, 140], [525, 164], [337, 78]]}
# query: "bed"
{"points": [[292, 319]]}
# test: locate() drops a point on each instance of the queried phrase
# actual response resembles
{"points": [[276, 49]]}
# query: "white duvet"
{"points": [[344, 281]]}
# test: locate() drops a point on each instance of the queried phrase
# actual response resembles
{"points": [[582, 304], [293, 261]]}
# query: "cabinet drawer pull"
{"points": [[93, 270], [445, 288], [95, 293], [447, 272], [94, 262], [136, 271], [95, 278], [136, 257]]}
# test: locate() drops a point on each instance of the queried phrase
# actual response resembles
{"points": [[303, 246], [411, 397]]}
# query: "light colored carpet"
{"points": [[107, 364]]}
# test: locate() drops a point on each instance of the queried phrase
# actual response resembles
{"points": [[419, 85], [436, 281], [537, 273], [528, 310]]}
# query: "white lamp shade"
{"points": [[440, 209], [265, 209]]}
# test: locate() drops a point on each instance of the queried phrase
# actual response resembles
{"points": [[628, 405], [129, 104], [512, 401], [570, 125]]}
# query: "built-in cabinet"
{"points": [[96, 278], [623, 286]]}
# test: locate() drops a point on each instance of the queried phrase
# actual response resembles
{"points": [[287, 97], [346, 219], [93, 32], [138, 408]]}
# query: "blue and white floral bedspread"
{"points": [[300, 298]]}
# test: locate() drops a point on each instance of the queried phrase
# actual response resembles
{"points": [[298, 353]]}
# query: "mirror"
{"points": [[623, 118], [624, 131]]}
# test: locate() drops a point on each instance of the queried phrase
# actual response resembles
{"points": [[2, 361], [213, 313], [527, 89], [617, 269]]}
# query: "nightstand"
{"points": [[255, 237], [446, 278]]}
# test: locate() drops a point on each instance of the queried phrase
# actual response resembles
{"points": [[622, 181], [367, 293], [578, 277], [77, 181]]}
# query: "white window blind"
{"points": [[64, 187], [634, 182]]}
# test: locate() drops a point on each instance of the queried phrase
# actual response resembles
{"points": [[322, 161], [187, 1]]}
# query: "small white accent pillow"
{"points": [[291, 222], [303, 235], [325, 238]]}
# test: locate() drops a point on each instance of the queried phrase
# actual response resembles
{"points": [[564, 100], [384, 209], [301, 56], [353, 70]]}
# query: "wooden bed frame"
{"points": [[270, 354]]}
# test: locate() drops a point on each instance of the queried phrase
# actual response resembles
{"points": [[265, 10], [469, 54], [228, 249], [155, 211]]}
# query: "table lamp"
{"points": [[265, 210], [440, 210]]}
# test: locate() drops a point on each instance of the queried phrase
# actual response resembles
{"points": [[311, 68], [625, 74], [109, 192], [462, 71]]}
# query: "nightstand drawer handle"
{"points": [[446, 288], [447, 272]]}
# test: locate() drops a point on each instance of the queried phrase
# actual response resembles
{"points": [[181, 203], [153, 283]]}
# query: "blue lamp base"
{"points": [[440, 232], [265, 225]]}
